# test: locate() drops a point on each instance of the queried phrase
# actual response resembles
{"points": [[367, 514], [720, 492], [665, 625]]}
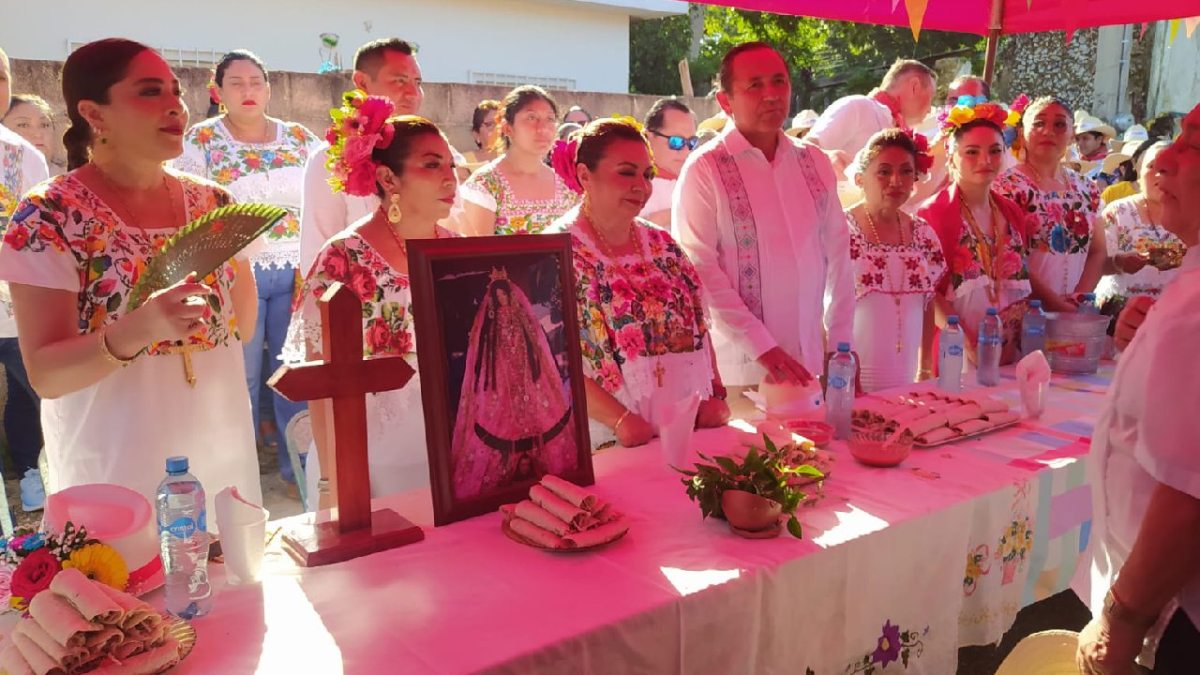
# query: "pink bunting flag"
{"points": [[895, 4], [916, 15], [1145, 27], [1070, 34], [1189, 25]]}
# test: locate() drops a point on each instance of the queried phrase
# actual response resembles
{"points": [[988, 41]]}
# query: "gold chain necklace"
{"points": [[891, 277], [402, 243]]}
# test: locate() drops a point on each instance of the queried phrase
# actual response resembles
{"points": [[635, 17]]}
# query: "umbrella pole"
{"points": [[995, 23]]}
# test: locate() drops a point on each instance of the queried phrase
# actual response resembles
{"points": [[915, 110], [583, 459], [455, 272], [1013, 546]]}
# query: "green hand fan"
{"points": [[203, 245]]}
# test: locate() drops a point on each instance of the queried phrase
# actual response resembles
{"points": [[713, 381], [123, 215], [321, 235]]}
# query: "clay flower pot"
{"points": [[750, 515]]}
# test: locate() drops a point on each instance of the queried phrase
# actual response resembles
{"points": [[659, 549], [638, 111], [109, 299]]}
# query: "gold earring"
{"points": [[393, 213]]}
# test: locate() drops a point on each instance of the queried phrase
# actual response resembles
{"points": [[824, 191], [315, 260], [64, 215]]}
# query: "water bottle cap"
{"points": [[1090, 297], [1035, 304], [177, 464], [844, 347], [992, 311], [952, 319]]}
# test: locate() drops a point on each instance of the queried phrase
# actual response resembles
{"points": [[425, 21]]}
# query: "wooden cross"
{"points": [[659, 371], [346, 378]]}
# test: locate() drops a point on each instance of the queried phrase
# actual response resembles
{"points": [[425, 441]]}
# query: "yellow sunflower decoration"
{"points": [[100, 562]]}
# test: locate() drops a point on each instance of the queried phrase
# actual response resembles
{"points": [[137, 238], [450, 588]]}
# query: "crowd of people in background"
{"points": [[735, 250]]}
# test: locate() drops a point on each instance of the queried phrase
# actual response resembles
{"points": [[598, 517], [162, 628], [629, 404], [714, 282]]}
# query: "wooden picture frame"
{"points": [[501, 376]]}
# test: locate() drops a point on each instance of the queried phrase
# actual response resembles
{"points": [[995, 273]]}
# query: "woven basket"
{"points": [[879, 448]]}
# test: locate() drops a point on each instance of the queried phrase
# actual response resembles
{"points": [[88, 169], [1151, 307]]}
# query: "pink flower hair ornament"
{"points": [[563, 160], [924, 158], [359, 128]]}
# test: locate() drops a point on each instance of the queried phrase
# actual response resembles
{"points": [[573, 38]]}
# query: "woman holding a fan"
{"points": [[125, 385]]}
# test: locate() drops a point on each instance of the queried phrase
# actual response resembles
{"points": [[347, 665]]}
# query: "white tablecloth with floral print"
{"points": [[897, 570]]}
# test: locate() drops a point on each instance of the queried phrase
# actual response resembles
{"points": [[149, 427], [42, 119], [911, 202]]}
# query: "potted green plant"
{"points": [[752, 492]]}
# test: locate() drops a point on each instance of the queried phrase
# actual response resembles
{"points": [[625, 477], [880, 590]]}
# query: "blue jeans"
{"points": [[22, 413], [275, 289]]}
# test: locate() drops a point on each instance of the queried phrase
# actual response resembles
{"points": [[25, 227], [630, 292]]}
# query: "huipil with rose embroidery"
{"points": [[1062, 222], [893, 285], [642, 325], [1128, 229], [21, 168], [489, 188], [982, 272], [395, 419], [121, 429], [271, 172]]}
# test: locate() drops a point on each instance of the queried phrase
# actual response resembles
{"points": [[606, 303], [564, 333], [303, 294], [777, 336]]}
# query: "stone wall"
{"points": [[1043, 63], [307, 98]]}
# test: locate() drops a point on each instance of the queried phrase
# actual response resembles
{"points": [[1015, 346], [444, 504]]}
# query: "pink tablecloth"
{"points": [[898, 567]]}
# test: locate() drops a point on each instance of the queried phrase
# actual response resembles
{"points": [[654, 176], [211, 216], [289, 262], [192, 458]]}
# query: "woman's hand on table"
{"points": [[1108, 647], [633, 431], [781, 367], [1131, 317], [713, 412]]}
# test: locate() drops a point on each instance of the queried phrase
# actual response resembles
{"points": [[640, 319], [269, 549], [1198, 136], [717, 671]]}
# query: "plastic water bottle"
{"points": [[1088, 305], [1033, 328], [950, 356], [183, 540], [991, 341], [839, 393]]}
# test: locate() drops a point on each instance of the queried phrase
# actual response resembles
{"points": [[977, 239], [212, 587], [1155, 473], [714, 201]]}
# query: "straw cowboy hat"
{"points": [[1136, 132], [715, 123], [1093, 123], [802, 122], [1050, 652], [1113, 160]]}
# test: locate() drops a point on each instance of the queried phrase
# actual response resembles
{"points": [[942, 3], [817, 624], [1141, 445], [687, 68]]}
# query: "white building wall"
{"points": [[1174, 72], [584, 42]]}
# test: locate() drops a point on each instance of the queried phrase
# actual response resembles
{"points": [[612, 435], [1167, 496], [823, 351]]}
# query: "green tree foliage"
{"points": [[827, 58]]}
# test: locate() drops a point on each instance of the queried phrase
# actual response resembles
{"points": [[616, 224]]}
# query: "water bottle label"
{"points": [[954, 350], [1035, 330], [182, 528], [837, 382]]}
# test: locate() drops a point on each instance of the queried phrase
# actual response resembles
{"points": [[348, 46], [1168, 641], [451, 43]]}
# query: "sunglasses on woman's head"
{"points": [[679, 142]]}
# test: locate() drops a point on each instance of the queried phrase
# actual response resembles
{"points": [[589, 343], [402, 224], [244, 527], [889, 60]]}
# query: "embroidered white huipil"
{"points": [[794, 261]]}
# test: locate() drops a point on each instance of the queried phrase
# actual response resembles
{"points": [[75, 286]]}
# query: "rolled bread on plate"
{"points": [[62, 621], [969, 411], [597, 535], [972, 426], [534, 533], [927, 424], [68, 657], [93, 604], [936, 436], [995, 419], [570, 492], [38, 661], [541, 517], [154, 660], [561, 508]]}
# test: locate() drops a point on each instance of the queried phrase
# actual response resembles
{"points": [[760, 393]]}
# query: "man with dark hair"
{"points": [[901, 100], [757, 212], [671, 129], [388, 68], [967, 85]]}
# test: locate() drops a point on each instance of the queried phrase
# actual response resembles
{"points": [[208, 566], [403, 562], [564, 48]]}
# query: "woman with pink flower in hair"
{"points": [[984, 235], [896, 258], [641, 316], [406, 161]]}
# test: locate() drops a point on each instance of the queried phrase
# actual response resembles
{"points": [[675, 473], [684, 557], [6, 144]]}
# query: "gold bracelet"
{"points": [[619, 420], [107, 353]]}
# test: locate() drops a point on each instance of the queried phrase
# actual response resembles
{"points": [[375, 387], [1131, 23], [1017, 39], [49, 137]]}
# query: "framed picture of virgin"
{"points": [[501, 380]]}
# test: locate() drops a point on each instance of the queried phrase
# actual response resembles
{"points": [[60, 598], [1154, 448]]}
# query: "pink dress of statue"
{"points": [[514, 419]]}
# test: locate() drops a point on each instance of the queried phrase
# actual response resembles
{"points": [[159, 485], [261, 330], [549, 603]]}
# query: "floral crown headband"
{"points": [[359, 128], [565, 155], [974, 108]]}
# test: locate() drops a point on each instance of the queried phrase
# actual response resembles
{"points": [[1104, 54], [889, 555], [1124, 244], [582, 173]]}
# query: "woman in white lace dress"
{"points": [[897, 262], [258, 159], [1142, 255], [413, 172]]}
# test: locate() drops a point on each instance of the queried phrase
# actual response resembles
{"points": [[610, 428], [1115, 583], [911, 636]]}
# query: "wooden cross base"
{"points": [[316, 544]]}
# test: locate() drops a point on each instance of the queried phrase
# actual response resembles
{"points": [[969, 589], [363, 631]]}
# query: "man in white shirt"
{"points": [[757, 213], [1145, 571], [902, 100], [671, 128], [388, 68], [21, 168]]}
